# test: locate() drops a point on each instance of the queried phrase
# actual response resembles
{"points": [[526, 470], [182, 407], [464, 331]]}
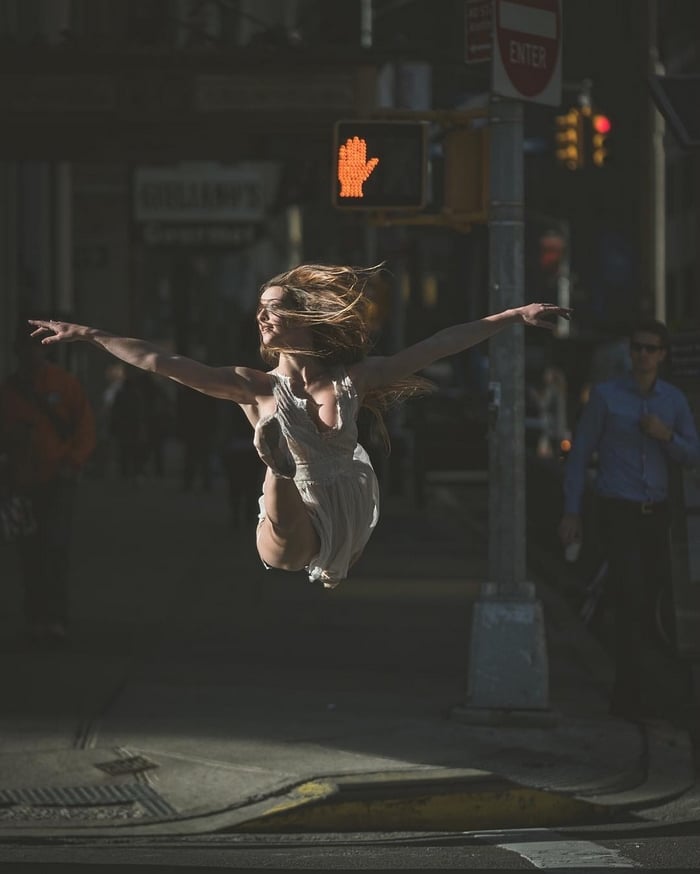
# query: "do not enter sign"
{"points": [[527, 50]]}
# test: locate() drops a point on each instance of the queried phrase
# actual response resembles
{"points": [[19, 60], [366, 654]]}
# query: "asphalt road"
{"points": [[642, 847]]}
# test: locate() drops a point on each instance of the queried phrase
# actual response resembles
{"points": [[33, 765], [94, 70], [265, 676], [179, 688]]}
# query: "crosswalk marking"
{"points": [[547, 849], [569, 854]]}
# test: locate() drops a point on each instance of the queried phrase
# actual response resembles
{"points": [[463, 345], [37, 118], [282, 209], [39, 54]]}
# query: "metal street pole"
{"points": [[508, 672], [656, 175], [506, 355]]}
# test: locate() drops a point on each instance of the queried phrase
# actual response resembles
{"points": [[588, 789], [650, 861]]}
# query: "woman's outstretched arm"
{"points": [[375, 372], [231, 383]]}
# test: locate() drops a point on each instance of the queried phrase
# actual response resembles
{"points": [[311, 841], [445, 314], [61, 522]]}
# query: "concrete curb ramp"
{"points": [[421, 801], [435, 800]]}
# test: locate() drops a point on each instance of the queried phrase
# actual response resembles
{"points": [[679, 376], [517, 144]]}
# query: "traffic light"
{"points": [[380, 165], [569, 139], [600, 128]]}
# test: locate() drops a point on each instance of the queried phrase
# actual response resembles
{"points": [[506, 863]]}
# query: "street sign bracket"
{"points": [[462, 222], [454, 117]]}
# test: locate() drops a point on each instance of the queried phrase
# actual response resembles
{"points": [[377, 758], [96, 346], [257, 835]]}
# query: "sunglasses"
{"points": [[646, 347]]}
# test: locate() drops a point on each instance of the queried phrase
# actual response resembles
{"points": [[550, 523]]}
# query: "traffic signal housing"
{"points": [[380, 165], [569, 139], [466, 155], [600, 129]]}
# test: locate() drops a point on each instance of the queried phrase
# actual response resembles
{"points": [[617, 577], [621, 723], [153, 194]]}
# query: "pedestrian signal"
{"points": [[569, 139], [380, 165]]}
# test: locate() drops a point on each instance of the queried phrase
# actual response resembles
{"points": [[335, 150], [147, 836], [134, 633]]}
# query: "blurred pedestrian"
{"points": [[140, 419], [47, 431], [320, 499], [104, 457], [243, 469], [130, 423], [549, 399], [196, 426], [637, 424], [159, 420]]}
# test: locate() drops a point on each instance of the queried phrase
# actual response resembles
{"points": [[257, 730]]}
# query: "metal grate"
{"points": [[89, 796], [129, 765]]}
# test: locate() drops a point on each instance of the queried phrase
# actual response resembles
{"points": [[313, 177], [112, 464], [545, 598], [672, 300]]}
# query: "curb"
{"points": [[669, 769], [422, 802], [471, 800]]}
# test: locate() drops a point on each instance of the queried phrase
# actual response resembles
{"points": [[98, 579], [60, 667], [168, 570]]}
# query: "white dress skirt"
{"points": [[332, 472]]}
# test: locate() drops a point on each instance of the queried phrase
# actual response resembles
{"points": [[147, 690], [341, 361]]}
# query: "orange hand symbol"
{"points": [[353, 167]]}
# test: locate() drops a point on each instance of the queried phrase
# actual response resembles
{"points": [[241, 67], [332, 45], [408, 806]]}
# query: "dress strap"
{"points": [[279, 383]]}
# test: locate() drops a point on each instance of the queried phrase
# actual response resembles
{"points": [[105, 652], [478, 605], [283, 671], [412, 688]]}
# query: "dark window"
{"points": [[671, 296], [690, 292], [671, 176]]}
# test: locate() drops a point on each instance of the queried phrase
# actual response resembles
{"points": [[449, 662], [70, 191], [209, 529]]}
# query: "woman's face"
{"points": [[270, 324]]}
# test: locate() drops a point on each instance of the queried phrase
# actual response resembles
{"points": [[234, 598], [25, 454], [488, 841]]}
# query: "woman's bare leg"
{"points": [[286, 538]]}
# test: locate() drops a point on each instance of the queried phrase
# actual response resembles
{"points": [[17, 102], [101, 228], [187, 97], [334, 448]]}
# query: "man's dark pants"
{"points": [[637, 543]]}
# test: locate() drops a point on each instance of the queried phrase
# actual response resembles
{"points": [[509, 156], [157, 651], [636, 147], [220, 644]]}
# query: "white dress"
{"points": [[334, 475]]}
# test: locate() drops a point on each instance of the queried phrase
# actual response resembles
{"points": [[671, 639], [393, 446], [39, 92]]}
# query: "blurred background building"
{"points": [[161, 158]]}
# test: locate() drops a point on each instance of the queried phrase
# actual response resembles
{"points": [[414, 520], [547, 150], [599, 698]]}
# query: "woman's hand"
{"points": [[540, 315], [57, 332]]}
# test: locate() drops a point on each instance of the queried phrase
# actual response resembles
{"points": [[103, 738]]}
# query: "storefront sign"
{"points": [[208, 193]]}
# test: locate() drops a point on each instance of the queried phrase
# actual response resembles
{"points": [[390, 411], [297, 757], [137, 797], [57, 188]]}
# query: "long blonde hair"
{"points": [[334, 302]]}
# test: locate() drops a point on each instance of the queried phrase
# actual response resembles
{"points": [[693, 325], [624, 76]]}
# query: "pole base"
{"points": [[504, 717], [508, 668]]}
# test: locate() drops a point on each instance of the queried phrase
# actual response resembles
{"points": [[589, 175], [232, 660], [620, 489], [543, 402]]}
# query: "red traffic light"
{"points": [[601, 124]]}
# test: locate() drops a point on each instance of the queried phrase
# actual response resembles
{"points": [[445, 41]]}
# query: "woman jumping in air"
{"points": [[320, 500]]}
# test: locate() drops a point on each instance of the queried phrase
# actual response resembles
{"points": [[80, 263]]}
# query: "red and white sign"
{"points": [[527, 50]]}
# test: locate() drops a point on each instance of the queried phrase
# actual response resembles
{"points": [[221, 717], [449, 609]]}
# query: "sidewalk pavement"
{"points": [[202, 693]]}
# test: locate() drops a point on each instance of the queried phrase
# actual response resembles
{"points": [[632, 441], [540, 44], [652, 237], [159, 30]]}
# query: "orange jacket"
{"points": [[37, 453]]}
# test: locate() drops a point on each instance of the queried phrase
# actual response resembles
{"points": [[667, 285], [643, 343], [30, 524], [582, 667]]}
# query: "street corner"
{"points": [[421, 801], [667, 771], [137, 791]]}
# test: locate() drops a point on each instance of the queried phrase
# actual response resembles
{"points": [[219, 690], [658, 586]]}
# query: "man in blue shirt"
{"points": [[637, 424]]}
